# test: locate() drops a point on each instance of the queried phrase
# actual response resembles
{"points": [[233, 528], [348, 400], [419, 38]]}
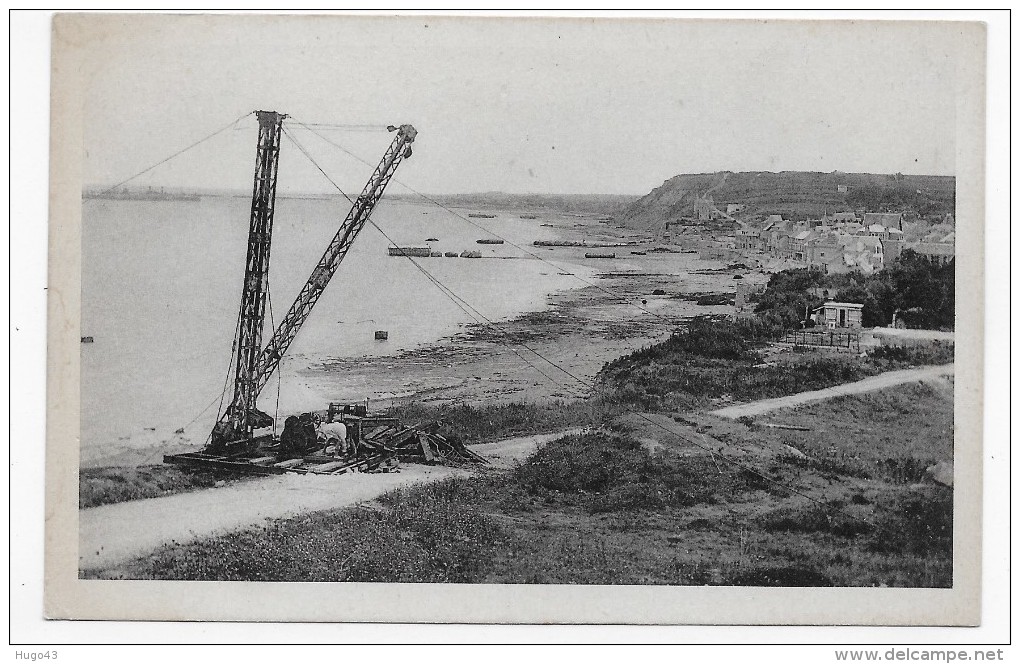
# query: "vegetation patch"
{"points": [[920, 293], [105, 486], [469, 424], [712, 359], [608, 472], [918, 523]]}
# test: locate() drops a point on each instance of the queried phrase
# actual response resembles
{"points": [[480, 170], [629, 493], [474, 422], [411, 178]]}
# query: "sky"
{"points": [[520, 105]]}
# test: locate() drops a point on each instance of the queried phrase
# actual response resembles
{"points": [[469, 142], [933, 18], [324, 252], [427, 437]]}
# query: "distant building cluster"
{"points": [[842, 242]]}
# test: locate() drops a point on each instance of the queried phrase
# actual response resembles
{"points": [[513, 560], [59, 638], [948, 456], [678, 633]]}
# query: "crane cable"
{"points": [[222, 129], [444, 289], [714, 454]]}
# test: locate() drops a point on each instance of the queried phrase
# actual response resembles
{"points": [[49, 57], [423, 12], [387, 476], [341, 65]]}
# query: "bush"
{"points": [[933, 352], [608, 472]]}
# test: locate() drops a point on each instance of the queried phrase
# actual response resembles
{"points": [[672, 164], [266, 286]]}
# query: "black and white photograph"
{"points": [[516, 319]]}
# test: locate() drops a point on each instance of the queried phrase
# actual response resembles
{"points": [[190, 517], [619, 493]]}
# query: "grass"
{"points": [[711, 359], [105, 486], [892, 435], [606, 508], [488, 423]]}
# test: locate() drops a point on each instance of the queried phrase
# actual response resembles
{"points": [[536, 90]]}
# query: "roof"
{"points": [[862, 242], [935, 249], [883, 218], [876, 228], [849, 305], [803, 235]]}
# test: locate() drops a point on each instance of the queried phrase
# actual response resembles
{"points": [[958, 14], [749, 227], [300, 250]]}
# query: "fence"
{"points": [[848, 340]]}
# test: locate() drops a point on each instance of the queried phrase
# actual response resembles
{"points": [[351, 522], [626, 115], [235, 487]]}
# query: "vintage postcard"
{"points": [[515, 320]]}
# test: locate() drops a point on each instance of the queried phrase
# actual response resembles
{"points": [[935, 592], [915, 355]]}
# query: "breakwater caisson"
{"points": [[420, 252], [583, 245]]}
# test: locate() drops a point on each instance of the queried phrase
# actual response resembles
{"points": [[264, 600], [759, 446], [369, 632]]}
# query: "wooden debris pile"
{"points": [[417, 443]]}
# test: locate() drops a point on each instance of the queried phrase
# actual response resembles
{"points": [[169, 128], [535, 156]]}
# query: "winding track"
{"points": [[879, 382]]}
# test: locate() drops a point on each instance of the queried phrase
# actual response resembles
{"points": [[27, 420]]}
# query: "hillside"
{"points": [[794, 194]]}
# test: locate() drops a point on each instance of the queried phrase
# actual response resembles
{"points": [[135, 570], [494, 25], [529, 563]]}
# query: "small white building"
{"points": [[839, 315]]}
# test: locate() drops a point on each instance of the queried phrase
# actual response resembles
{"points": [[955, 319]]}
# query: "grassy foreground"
{"points": [[630, 504]]}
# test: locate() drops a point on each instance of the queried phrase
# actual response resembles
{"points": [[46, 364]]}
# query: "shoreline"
{"points": [[578, 329]]}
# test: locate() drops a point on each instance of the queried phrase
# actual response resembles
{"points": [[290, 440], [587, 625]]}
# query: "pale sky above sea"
{"points": [[523, 105]]}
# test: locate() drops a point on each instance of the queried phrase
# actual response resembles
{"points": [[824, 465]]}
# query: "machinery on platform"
{"points": [[234, 431]]}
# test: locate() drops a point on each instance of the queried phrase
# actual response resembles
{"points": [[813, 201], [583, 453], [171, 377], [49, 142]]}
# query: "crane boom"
{"points": [[356, 219], [254, 367]]}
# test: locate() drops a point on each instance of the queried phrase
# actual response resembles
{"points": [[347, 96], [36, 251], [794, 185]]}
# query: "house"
{"points": [[841, 188], [799, 245], [844, 217], [839, 315], [936, 252], [733, 208], [877, 230], [887, 219], [863, 253], [747, 239], [825, 252]]}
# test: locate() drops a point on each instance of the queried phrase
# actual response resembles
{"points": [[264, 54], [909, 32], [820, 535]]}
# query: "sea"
{"points": [[161, 284]]}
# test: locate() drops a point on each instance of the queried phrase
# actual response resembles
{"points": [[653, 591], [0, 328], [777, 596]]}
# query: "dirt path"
{"points": [[879, 382], [113, 534]]}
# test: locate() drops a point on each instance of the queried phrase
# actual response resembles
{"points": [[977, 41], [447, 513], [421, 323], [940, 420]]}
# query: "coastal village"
{"points": [[839, 242]]}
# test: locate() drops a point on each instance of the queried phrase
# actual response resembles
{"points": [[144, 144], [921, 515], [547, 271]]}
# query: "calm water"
{"points": [[161, 283]]}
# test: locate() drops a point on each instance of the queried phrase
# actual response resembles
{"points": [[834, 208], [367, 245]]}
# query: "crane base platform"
{"points": [[383, 444]]}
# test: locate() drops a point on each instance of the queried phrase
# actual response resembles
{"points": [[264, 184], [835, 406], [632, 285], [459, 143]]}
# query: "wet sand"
{"points": [[579, 332]]}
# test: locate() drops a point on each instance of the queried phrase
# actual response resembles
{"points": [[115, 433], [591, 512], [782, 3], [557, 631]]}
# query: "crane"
{"points": [[255, 364]]}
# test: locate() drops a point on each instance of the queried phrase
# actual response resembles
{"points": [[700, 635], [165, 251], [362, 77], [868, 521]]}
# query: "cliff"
{"points": [[793, 194]]}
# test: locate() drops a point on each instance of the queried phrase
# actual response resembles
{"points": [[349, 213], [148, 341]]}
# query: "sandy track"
{"points": [[879, 382], [110, 535]]}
